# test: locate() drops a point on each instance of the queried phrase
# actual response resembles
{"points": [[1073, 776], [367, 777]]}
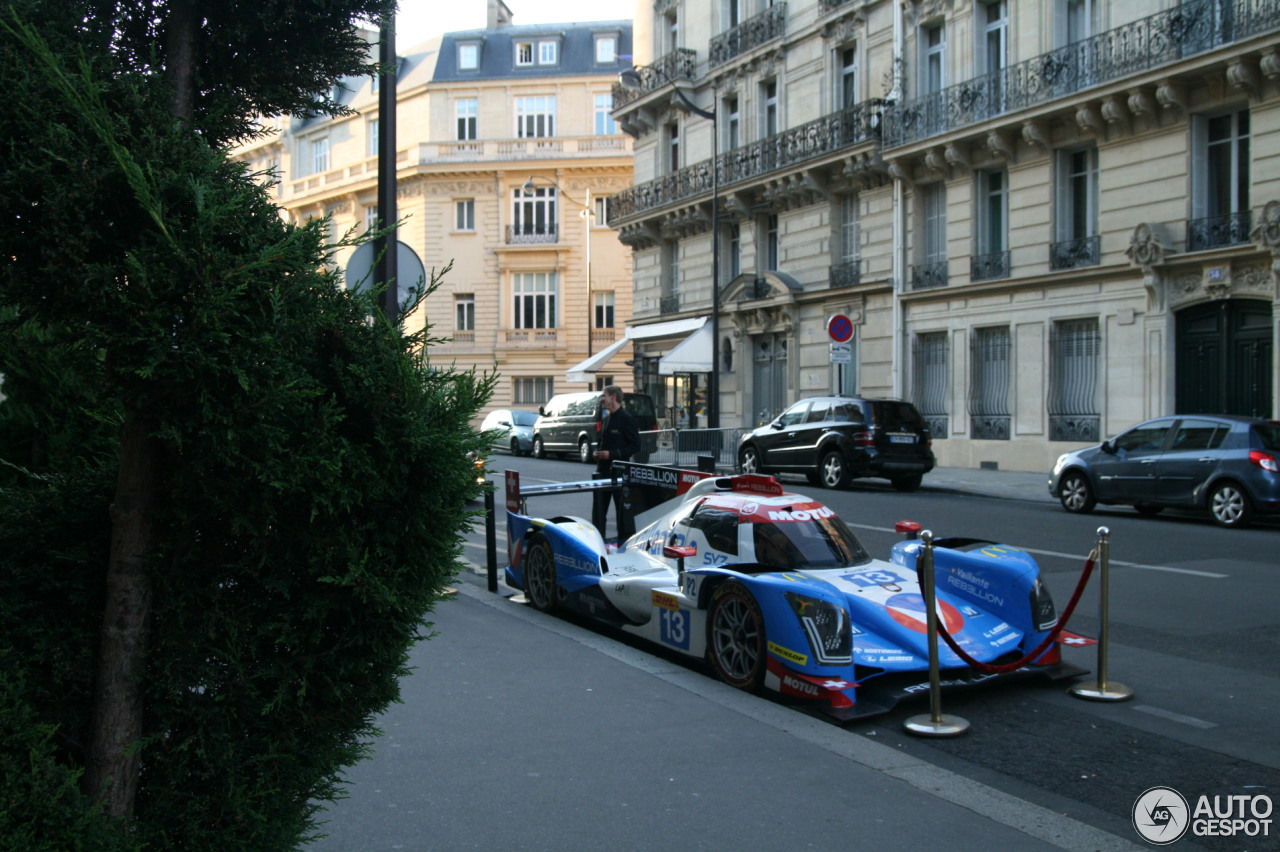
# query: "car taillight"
{"points": [[864, 439], [1266, 461]]}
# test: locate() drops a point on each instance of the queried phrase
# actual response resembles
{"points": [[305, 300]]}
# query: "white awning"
{"points": [[579, 372], [692, 355]]}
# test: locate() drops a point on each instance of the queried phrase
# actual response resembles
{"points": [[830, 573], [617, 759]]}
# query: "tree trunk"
{"points": [[112, 771]]}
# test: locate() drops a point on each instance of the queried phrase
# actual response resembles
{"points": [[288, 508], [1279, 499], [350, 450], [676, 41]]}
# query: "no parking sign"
{"points": [[840, 328]]}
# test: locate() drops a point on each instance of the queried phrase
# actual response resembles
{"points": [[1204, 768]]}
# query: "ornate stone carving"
{"points": [[1002, 145], [1036, 134], [1147, 251]]}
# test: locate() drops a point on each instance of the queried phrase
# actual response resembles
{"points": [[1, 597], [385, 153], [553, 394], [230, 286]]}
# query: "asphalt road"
{"points": [[1194, 633]]}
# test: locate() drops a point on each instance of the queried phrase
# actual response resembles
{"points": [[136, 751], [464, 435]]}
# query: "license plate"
{"points": [[902, 439]]}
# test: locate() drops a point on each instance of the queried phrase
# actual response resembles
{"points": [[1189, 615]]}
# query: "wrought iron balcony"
{"points": [[1184, 30], [518, 235], [679, 64], [1219, 231], [986, 267], [748, 35], [669, 304], [991, 426], [1073, 254], [811, 141], [1074, 427], [846, 274], [927, 276]]}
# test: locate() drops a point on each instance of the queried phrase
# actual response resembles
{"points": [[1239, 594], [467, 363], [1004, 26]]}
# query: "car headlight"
{"points": [[826, 625]]}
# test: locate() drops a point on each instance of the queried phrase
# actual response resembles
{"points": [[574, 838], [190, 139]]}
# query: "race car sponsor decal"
{"points": [[998, 551], [1066, 637], [973, 584], [664, 600], [673, 628], [907, 608], [788, 654], [830, 689], [802, 512]]}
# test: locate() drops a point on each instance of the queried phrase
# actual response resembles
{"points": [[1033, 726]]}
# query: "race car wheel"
{"points": [[584, 451], [736, 640], [833, 471], [1230, 506], [748, 460], [540, 576], [539, 449], [1076, 494]]}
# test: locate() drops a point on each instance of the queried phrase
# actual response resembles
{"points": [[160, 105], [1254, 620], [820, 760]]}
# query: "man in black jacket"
{"points": [[619, 441]]}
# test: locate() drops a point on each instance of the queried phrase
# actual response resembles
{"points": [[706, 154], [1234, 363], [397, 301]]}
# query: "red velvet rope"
{"points": [[1005, 668]]}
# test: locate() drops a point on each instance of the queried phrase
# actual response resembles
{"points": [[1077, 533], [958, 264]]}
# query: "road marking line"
{"points": [[1174, 717]]}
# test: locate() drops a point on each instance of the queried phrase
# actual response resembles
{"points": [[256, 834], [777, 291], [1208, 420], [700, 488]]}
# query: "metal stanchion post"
{"points": [[490, 541], [1101, 689], [935, 724]]}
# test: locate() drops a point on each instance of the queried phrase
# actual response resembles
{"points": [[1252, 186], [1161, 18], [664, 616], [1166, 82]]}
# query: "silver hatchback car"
{"points": [[1226, 464]]}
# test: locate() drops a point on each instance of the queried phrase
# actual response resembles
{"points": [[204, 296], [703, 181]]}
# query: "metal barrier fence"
{"points": [[685, 447]]}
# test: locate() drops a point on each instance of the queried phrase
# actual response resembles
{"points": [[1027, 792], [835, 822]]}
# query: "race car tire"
{"points": [[540, 576], [833, 470], [736, 644], [584, 451], [1076, 494], [1230, 506], [748, 460], [907, 483], [539, 449]]}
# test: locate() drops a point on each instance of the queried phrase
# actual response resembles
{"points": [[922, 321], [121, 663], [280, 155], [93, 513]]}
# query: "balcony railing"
{"points": [[927, 276], [669, 304], [847, 274], [1186, 29], [987, 267], [1219, 231], [1074, 427], [519, 236], [1073, 254], [757, 289], [559, 147], [748, 35], [810, 141], [679, 64]]}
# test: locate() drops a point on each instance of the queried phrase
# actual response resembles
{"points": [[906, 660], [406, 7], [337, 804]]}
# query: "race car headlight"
{"points": [[826, 626], [1043, 612]]}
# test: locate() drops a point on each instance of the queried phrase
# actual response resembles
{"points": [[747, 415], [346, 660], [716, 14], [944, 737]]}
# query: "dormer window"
{"points": [[468, 56], [539, 52], [606, 49]]}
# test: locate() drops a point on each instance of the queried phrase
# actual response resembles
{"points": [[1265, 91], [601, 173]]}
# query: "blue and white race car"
{"points": [[775, 592]]}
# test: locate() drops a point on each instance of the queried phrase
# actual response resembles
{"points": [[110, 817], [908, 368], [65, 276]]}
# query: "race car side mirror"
{"points": [[680, 552]]}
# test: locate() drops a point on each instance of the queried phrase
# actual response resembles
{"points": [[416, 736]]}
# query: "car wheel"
{"points": [[1230, 506], [1148, 509], [539, 449], [1076, 494], [833, 471], [736, 640], [515, 446], [540, 576], [907, 483], [584, 451], [748, 460]]}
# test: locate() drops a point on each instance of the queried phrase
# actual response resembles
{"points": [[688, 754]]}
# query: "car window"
{"points": [[847, 414], [793, 415], [818, 543], [525, 418], [1143, 439], [1198, 435], [641, 406], [819, 412], [897, 415], [718, 526], [1269, 433]]}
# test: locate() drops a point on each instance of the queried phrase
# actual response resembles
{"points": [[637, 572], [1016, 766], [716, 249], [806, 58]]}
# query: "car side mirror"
{"points": [[1108, 447], [542, 410], [680, 552], [777, 424]]}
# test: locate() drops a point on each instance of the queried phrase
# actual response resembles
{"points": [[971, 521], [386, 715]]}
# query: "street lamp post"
{"points": [[631, 79], [587, 215]]}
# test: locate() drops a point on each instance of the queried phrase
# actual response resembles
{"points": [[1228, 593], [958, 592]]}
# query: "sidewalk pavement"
{"points": [[1010, 484]]}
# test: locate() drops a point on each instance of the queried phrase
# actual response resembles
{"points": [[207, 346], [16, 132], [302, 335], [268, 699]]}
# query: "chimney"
{"points": [[499, 15]]}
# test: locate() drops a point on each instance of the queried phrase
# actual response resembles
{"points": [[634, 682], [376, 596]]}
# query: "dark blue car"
{"points": [[1226, 464]]}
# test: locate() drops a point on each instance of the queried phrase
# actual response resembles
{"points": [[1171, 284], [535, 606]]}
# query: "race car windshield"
{"points": [[817, 543]]}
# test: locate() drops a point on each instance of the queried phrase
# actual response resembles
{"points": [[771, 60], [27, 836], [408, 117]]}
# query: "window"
{"points": [[371, 217], [1073, 380], [535, 117], [731, 123], [524, 53], [847, 85], [931, 270], [768, 108], [989, 394], [929, 380], [1220, 175], [464, 312], [1075, 210], [604, 305], [533, 390], [319, 156], [605, 125], [468, 56], [849, 248], [466, 110], [606, 49], [770, 242], [600, 211], [734, 237], [993, 37], [991, 255], [534, 299], [673, 147], [464, 214], [670, 276], [1074, 21], [671, 30], [933, 55], [548, 52], [371, 134], [534, 210]]}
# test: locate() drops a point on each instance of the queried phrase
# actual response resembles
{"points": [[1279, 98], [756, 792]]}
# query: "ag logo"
{"points": [[1161, 816]]}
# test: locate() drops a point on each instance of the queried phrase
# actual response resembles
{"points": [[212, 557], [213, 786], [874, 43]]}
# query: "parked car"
{"points": [[1226, 464], [835, 439], [570, 422], [513, 427]]}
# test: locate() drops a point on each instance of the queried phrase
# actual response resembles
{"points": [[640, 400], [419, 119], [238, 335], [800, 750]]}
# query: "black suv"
{"points": [[834, 439]]}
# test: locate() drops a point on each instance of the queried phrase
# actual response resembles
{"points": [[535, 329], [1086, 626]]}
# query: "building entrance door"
{"points": [[1223, 361], [769, 377]]}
